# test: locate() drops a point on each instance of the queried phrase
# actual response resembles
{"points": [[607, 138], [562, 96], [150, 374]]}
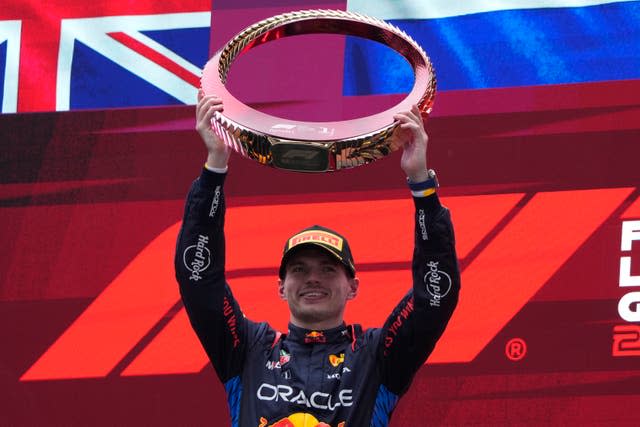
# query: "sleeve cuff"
{"points": [[216, 170], [211, 179]]}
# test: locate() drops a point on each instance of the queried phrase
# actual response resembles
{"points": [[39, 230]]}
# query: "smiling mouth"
{"points": [[313, 294]]}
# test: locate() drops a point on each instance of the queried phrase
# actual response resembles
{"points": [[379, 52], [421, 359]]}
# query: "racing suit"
{"points": [[342, 377]]}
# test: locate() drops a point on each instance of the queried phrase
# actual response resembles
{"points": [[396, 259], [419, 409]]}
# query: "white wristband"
{"points": [[216, 170]]}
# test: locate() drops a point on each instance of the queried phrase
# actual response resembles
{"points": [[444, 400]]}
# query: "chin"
{"points": [[314, 316]]}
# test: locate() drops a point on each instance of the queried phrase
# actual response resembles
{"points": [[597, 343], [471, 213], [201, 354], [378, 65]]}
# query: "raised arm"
{"points": [[200, 256], [411, 332]]}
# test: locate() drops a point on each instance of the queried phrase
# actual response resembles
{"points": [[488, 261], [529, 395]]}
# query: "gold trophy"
{"points": [[314, 146]]}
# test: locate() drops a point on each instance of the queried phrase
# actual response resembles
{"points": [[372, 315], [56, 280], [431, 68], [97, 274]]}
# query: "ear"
{"points": [[281, 289], [353, 288]]}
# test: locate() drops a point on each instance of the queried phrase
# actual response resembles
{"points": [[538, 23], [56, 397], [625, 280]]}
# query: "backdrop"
{"points": [[534, 136]]}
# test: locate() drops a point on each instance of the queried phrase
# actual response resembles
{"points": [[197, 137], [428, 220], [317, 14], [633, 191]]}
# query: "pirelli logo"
{"points": [[319, 236]]}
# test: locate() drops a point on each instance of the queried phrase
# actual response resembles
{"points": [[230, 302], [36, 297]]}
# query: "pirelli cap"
{"points": [[324, 238]]}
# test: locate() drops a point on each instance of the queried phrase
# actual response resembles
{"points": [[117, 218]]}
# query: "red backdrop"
{"points": [[541, 182]]}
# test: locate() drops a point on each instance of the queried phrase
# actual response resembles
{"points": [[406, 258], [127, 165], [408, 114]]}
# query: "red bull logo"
{"points": [[314, 337], [336, 360], [297, 420]]}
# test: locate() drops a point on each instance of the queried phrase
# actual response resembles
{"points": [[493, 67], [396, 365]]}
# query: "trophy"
{"points": [[314, 146]]}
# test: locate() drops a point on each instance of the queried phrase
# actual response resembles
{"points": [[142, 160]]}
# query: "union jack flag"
{"points": [[101, 54]]}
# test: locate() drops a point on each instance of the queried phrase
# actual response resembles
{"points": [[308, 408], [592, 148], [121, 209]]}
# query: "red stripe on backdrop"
{"points": [[157, 57]]}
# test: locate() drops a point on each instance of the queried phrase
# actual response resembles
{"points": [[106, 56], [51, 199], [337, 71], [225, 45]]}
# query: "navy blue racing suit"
{"points": [[342, 377]]}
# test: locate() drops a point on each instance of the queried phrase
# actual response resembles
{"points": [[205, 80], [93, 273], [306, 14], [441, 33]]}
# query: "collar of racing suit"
{"points": [[310, 336]]}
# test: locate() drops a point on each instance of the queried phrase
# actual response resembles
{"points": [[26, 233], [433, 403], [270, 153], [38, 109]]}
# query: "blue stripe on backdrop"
{"points": [[506, 48], [3, 66], [106, 84]]}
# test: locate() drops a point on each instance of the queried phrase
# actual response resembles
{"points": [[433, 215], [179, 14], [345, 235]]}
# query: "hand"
{"points": [[218, 151], [410, 134]]}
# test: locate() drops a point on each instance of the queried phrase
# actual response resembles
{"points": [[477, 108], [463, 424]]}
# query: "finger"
{"points": [[402, 117], [213, 100], [409, 125], [411, 115], [414, 114], [205, 120], [213, 109], [205, 105], [200, 107]]}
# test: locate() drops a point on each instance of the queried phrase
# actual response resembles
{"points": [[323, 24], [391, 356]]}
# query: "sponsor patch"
{"points": [[316, 400], [284, 357], [230, 317], [298, 419], [422, 224], [215, 203], [338, 375], [336, 360], [197, 258], [315, 337], [273, 364], [394, 327], [437, 282], [318, 236]]}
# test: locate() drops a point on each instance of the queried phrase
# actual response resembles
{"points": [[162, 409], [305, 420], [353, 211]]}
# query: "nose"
{"points": [[313, 275]]}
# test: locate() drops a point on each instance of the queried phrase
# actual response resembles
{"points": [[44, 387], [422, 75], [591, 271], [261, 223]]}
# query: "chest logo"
{"points": [[315, 337], [277, 364], [297, 420], [336, 360], [284, 357]]}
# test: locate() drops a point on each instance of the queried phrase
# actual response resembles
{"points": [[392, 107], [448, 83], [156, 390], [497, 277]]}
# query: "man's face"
{"points": [[316, 287]]}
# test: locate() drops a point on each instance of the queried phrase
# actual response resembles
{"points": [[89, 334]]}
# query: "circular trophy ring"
{"points": [[314, 146]]}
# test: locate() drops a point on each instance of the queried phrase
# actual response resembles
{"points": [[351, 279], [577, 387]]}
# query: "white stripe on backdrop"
{"points": [[428, 9]]}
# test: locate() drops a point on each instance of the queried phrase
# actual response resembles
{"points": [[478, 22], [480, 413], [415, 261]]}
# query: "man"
{"points": [[322, 372]]}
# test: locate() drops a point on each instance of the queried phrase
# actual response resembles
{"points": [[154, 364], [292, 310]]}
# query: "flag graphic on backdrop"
{"points": [[499, 43], [111, 55], [101, 55], [131, 60], [9, 62]]}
